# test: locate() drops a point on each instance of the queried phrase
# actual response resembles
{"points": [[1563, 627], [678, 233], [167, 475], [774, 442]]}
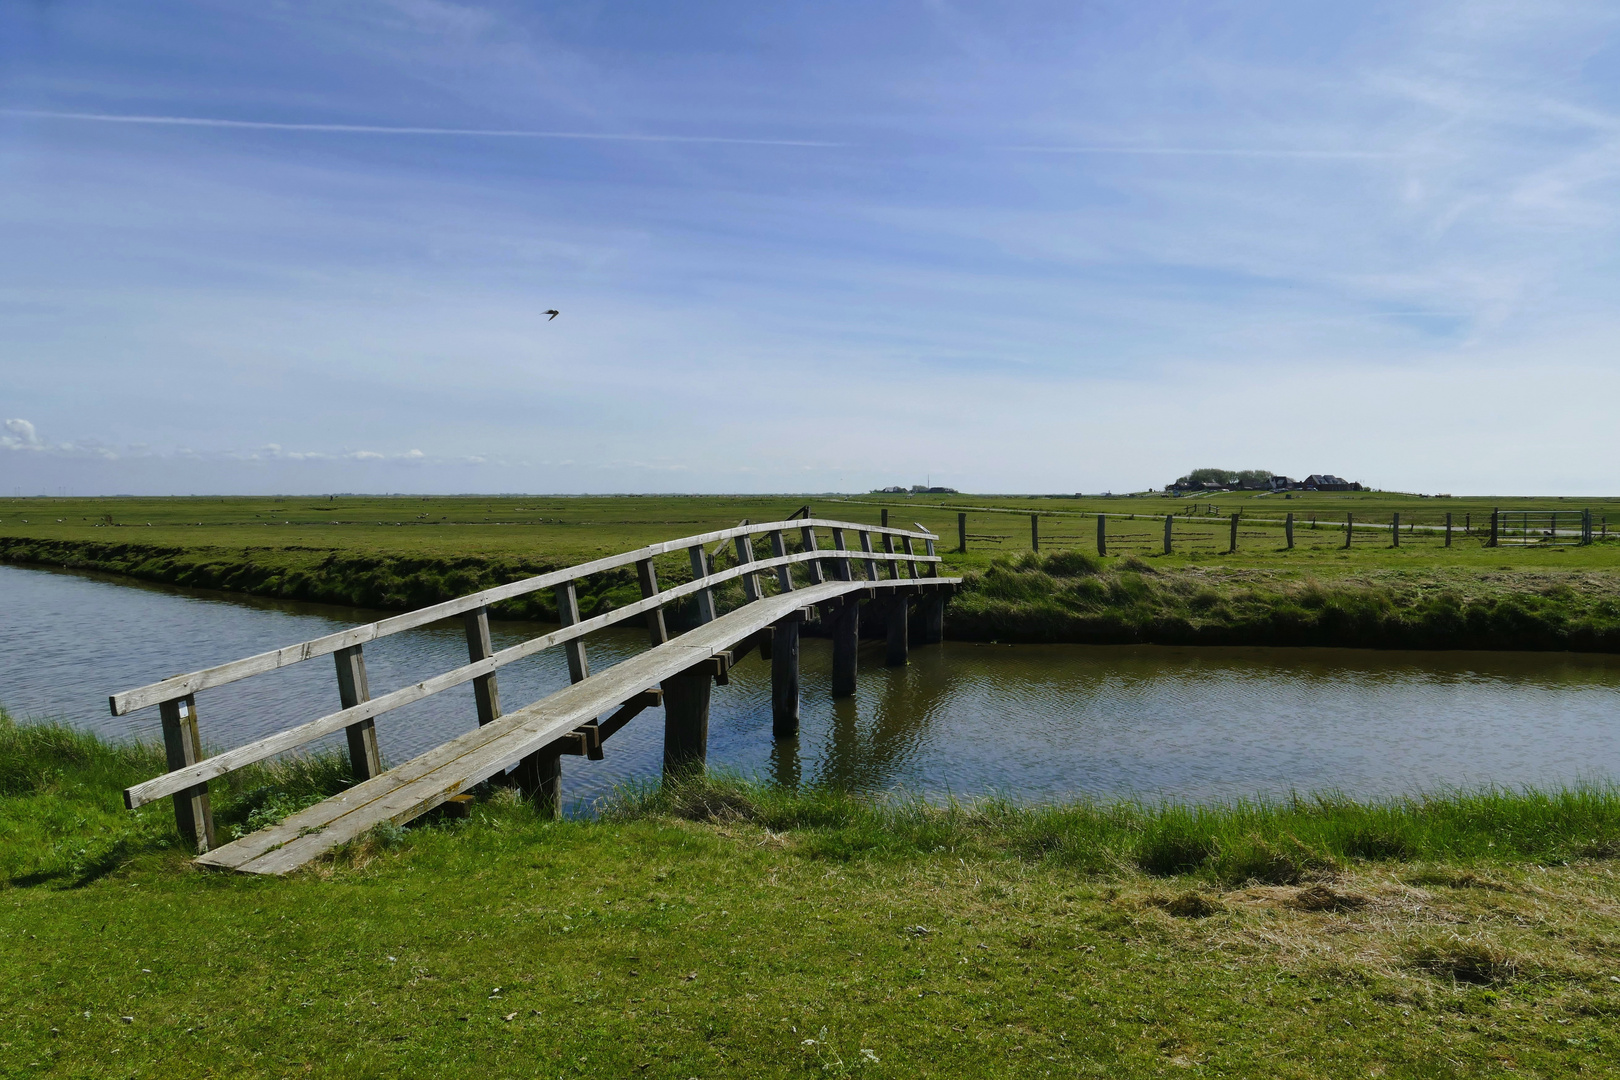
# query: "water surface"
{"points": [[1030, 722]]}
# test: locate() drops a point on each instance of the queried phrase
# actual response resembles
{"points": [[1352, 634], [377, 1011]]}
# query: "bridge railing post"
{"points": [[841, 568], [784, 574], [579, 668], [911, 566], [745, 555], [182, 746], [647, 579], [807, 539], [871, 564], [705, 597], [365, 760], [486, 692]]}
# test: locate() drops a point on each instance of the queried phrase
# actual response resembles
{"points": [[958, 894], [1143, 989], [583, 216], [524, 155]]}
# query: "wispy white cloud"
{"points": [[384, 129]]}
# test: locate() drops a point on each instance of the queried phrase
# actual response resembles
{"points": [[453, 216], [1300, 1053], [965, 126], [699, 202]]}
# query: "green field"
{"points": [[402, 552], [726, 930]]}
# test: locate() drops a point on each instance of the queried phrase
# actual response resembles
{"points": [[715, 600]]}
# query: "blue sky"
{"points": [[806, 247]]}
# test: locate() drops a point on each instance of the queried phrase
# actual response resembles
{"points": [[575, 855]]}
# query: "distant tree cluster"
{"points": [[1225, 477]]}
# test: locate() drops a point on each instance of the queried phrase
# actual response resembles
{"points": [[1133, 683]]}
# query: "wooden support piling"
{"points": [[846, 635], [486, 691], [365, 760], [686, 721], [539, 778], [785, 679], [182, 746], [899, 630], [1288, 529], [931, 618]]}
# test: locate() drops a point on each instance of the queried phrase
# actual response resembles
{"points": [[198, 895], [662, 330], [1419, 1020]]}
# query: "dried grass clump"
{"points": [[1466, 960]]}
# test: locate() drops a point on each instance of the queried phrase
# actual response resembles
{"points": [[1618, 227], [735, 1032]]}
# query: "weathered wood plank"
{"points": [[365, 759], [486, 691]]}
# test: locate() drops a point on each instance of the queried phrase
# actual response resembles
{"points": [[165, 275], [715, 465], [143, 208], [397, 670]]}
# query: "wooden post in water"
{"points": [[539, 777], [1448, 528], [1496, 517], [686, 721], [846, 635], [961, 533], [1349, 525], [365, 760], [1233, 549], [1395, 532], [1168, 519], [931, 609], [486, 692], [1035, 533], [182, 746], [785, 678], [899, 631], [1102, 535], [1288, 529]]}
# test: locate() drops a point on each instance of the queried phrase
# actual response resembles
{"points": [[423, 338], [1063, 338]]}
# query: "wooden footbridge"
{"points": [[781, 588]]}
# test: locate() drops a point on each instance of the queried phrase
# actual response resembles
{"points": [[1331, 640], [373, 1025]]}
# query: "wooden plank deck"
{"points": [[417, 786]]}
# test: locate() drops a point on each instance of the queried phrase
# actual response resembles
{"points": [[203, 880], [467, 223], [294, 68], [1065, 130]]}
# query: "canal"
{"points": [[1028, 722]]}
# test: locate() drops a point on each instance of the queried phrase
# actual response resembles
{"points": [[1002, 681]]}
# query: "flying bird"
{"points": [[553, 313]]}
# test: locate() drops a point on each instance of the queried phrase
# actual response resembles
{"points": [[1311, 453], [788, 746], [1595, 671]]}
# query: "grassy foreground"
{"points": [[725, 929]]}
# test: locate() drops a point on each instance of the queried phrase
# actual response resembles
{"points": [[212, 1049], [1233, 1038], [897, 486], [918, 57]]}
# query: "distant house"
{"points": [[893, 489], [922, 489], [1327, 482]]}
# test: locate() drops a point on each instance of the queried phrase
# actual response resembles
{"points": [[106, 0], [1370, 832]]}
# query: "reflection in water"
{"points": [[1030, 722]]}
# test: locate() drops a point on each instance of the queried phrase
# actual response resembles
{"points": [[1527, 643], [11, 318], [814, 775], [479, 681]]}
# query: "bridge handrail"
{"points": [[200, 772], [180, 686]]}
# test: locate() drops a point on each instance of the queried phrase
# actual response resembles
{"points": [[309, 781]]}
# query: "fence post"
{"points": [[1349, 524], [1496, 516], [1233, 548], [1102, 535], [1586, 526], [1167, 520], [1288, 528], [365, 760], [1448, 528], [1395, 532], [182, 746], [1035, 533], [961, 533]]}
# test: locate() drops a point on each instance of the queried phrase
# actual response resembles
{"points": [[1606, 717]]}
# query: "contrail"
{"points": [[1196, 151], [379, 129]]}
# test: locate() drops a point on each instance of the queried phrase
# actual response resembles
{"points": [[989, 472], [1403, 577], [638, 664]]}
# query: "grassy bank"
{"points": [[725, 929], [400, 553]]}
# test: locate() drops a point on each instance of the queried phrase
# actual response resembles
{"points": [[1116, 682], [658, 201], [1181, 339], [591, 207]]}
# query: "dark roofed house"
{"points": [[1328, 482]]}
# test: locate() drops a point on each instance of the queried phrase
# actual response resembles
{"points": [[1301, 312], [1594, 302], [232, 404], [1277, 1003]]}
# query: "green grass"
{"points": [[403, 552], [721, 928]]}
